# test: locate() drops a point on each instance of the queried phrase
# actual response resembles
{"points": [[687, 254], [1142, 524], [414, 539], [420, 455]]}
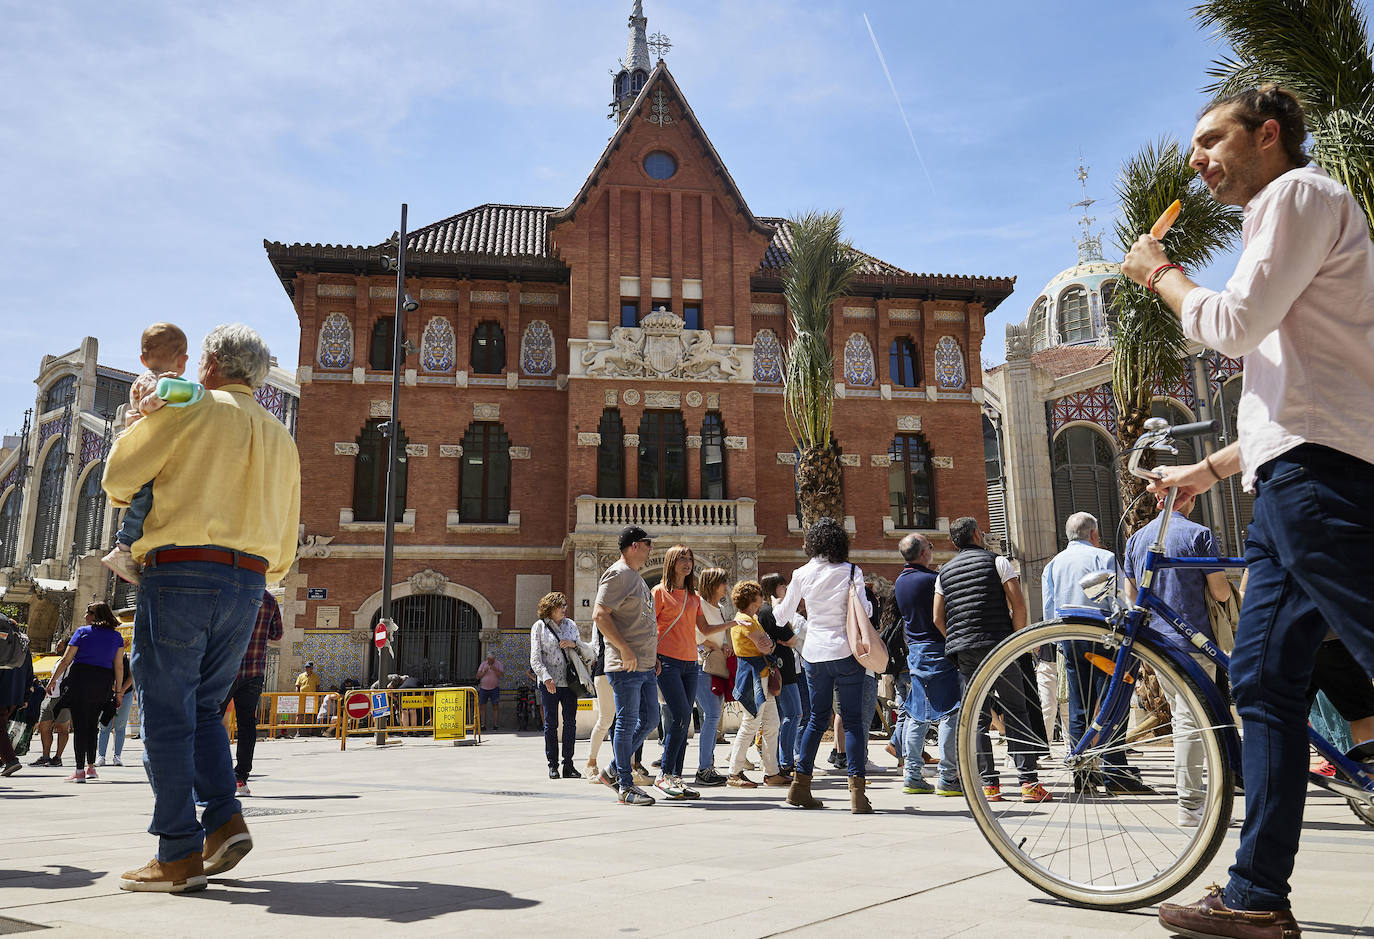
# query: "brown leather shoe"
{"points": [[1210, 917], [181, 876], [227, 845]]}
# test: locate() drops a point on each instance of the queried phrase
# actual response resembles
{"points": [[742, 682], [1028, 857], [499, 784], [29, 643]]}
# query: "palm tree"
{"points": [[819, 268], [1150, 349], [1320, 50]]}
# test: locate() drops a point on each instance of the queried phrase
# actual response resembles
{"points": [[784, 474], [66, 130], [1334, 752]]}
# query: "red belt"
{"points": [[249, 562]]}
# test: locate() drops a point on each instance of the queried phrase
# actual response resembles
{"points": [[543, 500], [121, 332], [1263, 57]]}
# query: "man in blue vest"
{"points": [[978, 603]]}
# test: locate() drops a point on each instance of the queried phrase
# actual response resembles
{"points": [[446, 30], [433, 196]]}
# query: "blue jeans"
{"points": [[191, 628], [131, 523], [711, 706], [847, 678], [678, 682], [899, 726], [1087, 685], [116, 727], [789, 720], [1308, 550], [948, 732], [636, 715]]}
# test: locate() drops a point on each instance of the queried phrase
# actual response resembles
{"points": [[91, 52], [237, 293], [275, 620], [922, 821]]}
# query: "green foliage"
{"points": [[1320, 50]]}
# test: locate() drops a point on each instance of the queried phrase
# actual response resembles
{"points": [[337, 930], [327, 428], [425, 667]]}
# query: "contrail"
{"points": [[902, 111]]}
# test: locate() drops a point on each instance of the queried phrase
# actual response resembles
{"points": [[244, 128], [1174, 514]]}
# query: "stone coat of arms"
{"points": [[661, 347]]}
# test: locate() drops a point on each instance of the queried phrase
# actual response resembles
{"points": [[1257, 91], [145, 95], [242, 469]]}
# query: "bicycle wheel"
{"points": [[1101, 839]]}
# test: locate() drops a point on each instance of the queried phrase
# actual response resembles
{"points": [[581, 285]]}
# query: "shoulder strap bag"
{"points": [[579, 679], [864, 641]]}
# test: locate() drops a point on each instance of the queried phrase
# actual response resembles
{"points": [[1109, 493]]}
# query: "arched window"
{"points": [[484, 490], [47, 519], [903, 365], [90, 511], [662, 455], [858, 360], [437, 347], [438, 639], [1084, 475], [997, 487], [335, 346], [1075, 317], [1237, 505], [911, 495], [1109, 313], [9, 527], [488, 348], [537, 355], [383, 346], [949, 363], [767, 357], [59, 393], [369, 474], [610, 456], [712, 456], [1039, 325]]}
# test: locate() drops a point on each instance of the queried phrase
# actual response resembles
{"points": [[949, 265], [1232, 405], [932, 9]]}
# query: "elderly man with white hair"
{"points": [[222, 527], [1083, 555]]}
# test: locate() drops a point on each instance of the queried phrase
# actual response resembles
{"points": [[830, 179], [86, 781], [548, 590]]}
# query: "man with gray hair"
{"points": [[1059, 589], [222, 527]]}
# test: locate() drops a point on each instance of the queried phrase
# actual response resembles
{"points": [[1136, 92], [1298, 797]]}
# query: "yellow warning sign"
{"points": [[450, 715]]}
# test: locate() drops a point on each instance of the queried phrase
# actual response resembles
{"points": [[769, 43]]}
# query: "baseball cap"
{"points": [[630, 534], [309, 664]]}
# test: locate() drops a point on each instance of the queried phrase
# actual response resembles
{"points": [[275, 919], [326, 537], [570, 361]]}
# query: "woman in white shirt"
{"points": [[711, 584], [823, 583]]}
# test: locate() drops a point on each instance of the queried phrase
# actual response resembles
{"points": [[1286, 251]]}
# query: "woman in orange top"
{"points": [[678, 609]]}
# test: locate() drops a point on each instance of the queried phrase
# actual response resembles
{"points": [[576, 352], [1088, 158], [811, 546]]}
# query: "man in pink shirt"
{"points": [[1300, 309], [489, 688]]}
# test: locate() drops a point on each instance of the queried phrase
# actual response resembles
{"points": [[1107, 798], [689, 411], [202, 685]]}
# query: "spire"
{"points": [[1090, 244], [634, 70]]}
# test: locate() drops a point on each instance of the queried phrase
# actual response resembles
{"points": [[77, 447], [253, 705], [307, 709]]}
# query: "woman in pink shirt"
{"points": [[489, 675]]}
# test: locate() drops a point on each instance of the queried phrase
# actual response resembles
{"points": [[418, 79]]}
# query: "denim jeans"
{"points": [[131, 523], [1087, 684], [948, 733], [116, 727], [636, 715], [565, 698], [191, 628], [245, 695], [847, 678], [789, 720], [678, 682], [1308, 550], [899, 726], [711, 706]]}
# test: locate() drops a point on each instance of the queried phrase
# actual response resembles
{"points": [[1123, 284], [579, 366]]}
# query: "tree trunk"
{"points": [[1135, 515], [818, 485]]}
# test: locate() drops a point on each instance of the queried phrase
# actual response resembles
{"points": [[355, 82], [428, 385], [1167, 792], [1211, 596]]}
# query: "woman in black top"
{"points": [[789, 700]]}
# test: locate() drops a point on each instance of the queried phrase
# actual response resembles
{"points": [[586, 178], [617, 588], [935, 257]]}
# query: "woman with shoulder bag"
{"points": [[678, 610], [824, 583], [94, 666], [713, 645], [554, 639]]}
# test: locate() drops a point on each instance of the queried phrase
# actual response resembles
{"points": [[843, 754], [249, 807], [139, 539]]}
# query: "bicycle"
{"points": [[1119, 852]]}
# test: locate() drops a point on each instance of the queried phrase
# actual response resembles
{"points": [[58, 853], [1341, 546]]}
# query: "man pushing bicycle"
{"points": [[1300, 309]]}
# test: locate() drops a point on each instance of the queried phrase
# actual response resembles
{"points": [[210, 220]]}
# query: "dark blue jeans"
{"points": [[1308, 551], [678, 682], [191, 628], [636, 715], [844, 677], [550, 703], [1087, 685], [789, 722]]}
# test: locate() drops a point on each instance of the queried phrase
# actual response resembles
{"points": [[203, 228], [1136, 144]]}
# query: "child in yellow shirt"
{"points": [[761, 709]]}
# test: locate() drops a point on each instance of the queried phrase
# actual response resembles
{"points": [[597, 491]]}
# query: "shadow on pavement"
{"points": [[16, 795], [304, 798], [59, 877], [398, 901]]}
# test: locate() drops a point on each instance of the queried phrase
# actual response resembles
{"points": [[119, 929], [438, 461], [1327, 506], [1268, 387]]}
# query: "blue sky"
{"points": [[150, 147]]}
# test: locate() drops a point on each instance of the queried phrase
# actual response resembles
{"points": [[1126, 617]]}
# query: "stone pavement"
{"points": [[429, 839]]}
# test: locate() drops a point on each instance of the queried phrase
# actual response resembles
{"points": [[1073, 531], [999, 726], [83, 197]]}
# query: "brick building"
{"points": [[575, 369]]}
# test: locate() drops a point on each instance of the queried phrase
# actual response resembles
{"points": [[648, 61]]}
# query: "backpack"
{"points": [[14, 644]]}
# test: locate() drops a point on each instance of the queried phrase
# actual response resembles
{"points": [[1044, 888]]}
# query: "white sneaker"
{"points": [[1189, 818], [242, 790], [669, 787], [100, 761], [121, 561], [115, 761]]}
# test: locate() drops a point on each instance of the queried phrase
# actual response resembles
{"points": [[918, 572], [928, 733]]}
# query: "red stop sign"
{"points": [[357, 705], [379, 638]]}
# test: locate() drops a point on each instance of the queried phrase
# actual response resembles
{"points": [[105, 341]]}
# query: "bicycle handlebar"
{"points": [[1197, 429], [1156, 437]]}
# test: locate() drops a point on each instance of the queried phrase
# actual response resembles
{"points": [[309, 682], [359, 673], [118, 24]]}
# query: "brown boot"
{"points": [[799, 793], [227, 845], [180, 876], [858, 802]]}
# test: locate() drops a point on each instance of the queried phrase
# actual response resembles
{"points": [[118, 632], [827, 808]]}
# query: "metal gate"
{"points": [[438, 639]]}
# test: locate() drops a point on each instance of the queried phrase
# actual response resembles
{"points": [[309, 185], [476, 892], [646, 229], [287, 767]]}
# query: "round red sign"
{"points": [[358, 706], [379, 638]]}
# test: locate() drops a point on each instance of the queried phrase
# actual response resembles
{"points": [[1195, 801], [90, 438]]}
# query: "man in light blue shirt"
{"points": [[1059, 586]]}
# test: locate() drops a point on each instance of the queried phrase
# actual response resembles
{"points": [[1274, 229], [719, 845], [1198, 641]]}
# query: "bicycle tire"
{"points": [[1129, 880]]}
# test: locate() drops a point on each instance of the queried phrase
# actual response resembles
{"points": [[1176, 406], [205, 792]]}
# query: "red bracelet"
{"points": [[1150, 284]]}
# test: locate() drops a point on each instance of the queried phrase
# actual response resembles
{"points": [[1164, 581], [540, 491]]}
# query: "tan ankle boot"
{"points": [[858, 802], [799, 793]]}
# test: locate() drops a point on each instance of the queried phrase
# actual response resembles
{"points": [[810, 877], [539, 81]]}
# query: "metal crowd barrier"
{"points": [[293, 711], [411, 713]]}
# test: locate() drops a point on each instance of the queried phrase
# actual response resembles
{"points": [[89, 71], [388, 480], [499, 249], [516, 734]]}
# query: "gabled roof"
{"points": [[497, 230], [659, 74], [1069, 360], [779, 252]]}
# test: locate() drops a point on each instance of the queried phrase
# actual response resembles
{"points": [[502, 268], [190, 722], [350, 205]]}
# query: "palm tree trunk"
{"points": [[818, 485]]}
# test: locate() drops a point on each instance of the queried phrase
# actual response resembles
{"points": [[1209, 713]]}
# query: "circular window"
{"points": [[660, 165]]}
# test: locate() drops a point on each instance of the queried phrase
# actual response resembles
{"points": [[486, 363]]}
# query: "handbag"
{"points": [[715, 662], [579, 679], [867, 646], [774, 680]]}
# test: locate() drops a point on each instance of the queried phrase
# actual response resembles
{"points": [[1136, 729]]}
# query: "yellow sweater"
{"points": [[225, 472]]}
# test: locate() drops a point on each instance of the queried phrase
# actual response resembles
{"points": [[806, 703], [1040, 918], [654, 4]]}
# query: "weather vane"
{"points": [[659, 45], [1090, 245]]}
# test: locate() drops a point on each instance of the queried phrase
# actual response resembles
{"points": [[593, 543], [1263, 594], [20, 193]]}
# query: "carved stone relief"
{"points": [[663, 399], [787, 459], [379, 409], [519, 453], [427, 581], [849, 459], [631, 397], [486, 412], [314, 546], [632, 440], [881, 460], [661, 347], [693, 399], [610, 399], [693, 441], [450, 449], [713, 400], [345, 449], [589, 440], [417, 449], [909, 422], [737, 443], [942, 462]]}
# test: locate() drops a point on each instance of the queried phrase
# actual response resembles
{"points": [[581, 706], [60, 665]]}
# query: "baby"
{"points": [[164, 356]]}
